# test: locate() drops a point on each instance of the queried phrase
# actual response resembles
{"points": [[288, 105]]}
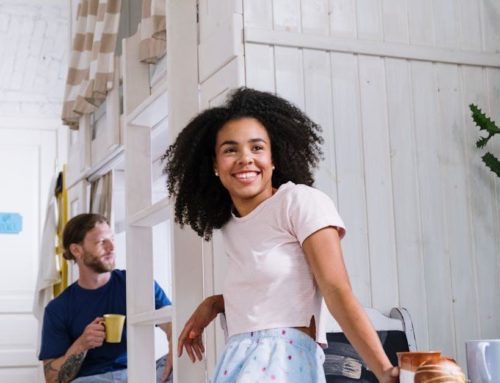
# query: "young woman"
{"points": [[246, 168]]}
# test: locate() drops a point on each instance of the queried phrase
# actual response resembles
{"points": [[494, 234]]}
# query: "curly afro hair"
{"points": [[201, 201]]}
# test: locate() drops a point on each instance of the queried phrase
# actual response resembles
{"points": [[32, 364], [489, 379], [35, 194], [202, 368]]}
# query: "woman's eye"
{"points": [[229, 150], [258, 147]]}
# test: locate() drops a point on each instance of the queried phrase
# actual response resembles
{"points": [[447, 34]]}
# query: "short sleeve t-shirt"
{"points": [[67, 315], [268, 282]]}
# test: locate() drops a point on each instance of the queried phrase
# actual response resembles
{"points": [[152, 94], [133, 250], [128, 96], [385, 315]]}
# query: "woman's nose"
{"points": [[246, 158]]}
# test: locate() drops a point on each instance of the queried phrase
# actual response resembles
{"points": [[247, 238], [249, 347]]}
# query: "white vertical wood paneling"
{"points": [[436, 259], [219, 271], [237, 6], [138, 196], [469, 20], [482, 217], [187, 266], [259, 67], [218, 42], [289, 74], [209, 260], [350, 170], [140, 339], [446, 33], [318, 106], [420, 21], [213, 92], [315, 17], [79, 151], [211, 13], [286, 14], [408, 231], [342, 18], [378, 183], [491, 26], [258, 13], [484, 221], [493, 81], [493, 94], [138, 242], [369, 19], [456, 207], [395, 21]]}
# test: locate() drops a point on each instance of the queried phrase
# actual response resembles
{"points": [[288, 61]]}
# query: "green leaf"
{"points": [[482, 142], [492, 163], [483, 121]]}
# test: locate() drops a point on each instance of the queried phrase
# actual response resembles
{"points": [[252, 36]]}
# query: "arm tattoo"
{"points": [[48, 367], [70, 367]]}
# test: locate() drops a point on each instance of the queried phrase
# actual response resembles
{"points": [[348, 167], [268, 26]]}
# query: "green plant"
{"points": [[488, 125]]}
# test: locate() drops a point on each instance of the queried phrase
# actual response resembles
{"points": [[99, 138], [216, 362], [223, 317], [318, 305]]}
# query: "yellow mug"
{"points": [[114, 327]]}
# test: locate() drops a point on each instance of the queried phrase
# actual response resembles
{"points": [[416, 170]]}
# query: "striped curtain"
{"points": [[91, 67], [153, 31], [101, 195]]}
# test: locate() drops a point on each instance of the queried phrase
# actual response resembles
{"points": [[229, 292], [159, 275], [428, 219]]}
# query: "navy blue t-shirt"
{"points": [[67, 315]]}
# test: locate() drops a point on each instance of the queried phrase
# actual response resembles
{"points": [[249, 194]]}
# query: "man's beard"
{"points": [[96, 264]]}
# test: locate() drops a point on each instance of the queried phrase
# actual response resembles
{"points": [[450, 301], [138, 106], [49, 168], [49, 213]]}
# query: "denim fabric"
{"points": [[120, 376], [283, 355]]}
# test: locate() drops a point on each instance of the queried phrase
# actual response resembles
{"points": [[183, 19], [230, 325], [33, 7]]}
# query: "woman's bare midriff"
{"points": [[307, 331], [311, 330]]}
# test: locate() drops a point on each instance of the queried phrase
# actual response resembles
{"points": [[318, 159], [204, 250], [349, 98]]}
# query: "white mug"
{"points": [[483, 360]]}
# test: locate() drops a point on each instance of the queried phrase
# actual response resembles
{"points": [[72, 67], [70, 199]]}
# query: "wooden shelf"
{"points": [[152, 317], [152, 215], [113, 160], [152, 110]]}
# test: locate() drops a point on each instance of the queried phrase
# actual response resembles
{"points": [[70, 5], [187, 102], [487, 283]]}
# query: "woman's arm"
{"points": [[191, 335], [325, 259]]}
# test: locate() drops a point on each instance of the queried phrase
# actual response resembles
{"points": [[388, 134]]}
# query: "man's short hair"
{"points": [[76, 229]]}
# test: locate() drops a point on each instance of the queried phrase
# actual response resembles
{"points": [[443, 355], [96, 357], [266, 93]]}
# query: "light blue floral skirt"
{"points": [[283, 355]]}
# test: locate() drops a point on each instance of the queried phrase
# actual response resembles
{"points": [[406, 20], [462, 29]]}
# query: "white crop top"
{"points": [[268, 282]]}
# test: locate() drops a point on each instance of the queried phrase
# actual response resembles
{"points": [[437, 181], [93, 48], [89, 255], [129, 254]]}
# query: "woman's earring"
{"points": [[216, 173], [274, 167]]}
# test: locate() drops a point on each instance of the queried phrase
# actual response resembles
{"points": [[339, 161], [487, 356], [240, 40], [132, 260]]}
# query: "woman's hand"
{"points": [[191, 336], [391, 375]]}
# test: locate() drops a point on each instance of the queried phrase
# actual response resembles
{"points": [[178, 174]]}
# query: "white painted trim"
{"points": [[116, 155], [159, 316], [152, 215], [113, 160], [372, 48], [152, 110]]}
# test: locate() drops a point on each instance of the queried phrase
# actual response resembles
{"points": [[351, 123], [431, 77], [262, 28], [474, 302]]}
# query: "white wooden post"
{"points": [[182, 79]]}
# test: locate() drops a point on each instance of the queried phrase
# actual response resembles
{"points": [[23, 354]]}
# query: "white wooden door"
{"points": [[27, 163]]}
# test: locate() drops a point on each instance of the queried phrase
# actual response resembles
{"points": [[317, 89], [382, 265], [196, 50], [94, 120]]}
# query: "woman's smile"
{"points": [[247, 176]]}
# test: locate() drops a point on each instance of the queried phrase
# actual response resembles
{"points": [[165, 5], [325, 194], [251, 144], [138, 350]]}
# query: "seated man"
{"points": [[73, 336]]}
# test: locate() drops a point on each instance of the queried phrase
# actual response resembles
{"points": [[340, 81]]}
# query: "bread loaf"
{"points": [[439, 370]]}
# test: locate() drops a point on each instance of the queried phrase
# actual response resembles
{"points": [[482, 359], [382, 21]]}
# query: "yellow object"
{"points": [[62, 218], [114, 327]]}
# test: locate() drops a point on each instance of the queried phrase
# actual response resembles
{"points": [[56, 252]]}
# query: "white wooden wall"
{"points": [[390, 82]]}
